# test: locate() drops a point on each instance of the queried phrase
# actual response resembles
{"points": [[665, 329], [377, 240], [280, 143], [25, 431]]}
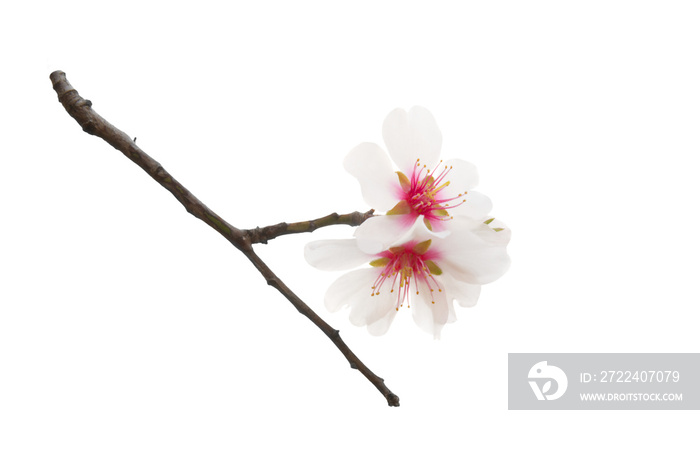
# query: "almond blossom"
{"points": [[425, 274], [424, 185]]}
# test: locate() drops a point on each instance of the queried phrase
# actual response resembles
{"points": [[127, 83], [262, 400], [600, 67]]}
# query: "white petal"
{"points": [[378, 181], [463, 177], [476, 205], [368, 309], [379, 233], [478, 265], [354, 290], [349, 289], [430, 308], [420, 232], [465, 294], [452, 317], [335, 254], [496, 232], [412, 135], [382, 325], [470, 254]]}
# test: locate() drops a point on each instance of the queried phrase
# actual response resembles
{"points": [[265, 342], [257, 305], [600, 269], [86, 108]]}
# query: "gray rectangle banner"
{"points": [[599, 381]]}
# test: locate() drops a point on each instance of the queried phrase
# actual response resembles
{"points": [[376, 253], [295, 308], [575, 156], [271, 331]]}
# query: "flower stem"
{"points": [[260, 235], [92, 123]]}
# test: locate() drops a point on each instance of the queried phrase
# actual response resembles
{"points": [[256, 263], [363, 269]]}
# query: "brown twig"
{"points": [[260, 235], [92, 123]]}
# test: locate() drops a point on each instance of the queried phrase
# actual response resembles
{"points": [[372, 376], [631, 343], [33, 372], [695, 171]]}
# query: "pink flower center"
{"points": [[421, 194], [404, 267]]}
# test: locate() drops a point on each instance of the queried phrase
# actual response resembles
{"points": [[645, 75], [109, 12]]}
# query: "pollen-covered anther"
{"points": [[409, 265], [422, 193]]}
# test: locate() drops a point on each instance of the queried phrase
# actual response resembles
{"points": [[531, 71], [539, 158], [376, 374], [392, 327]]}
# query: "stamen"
{"points": [[422, 193], [408, 266]]}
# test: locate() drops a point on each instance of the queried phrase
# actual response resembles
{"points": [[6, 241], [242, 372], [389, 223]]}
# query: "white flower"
{"points": [[426, 273], [423, 186]]}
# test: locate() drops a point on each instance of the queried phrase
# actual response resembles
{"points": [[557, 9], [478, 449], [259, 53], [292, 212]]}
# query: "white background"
{"points": [[131, 334]]}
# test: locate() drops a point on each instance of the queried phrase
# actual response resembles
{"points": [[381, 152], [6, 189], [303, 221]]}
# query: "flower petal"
{"points": [[476, 205], [369, 309], [412, 135], [335, 254], [382, 325], [463, 176], [430, 308], [372, 168], [349, 289], [465, 294], [496, 232], [471, 253], [354, 290], [378, 233], [484, 266]]}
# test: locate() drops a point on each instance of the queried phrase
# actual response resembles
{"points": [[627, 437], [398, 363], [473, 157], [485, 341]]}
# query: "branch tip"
{"points": [[393, 400]]}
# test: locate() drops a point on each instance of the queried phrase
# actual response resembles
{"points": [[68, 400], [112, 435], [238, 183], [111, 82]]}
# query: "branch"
{"points": [[92, 123], [260, 235]]}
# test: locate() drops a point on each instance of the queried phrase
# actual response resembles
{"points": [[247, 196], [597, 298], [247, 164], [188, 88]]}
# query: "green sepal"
{"points": [[498, 229], [379, 262], [401, 208], [488, 221], [433, 268], [422, 247], [403, 180], [427, 224], [441, 212]]}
